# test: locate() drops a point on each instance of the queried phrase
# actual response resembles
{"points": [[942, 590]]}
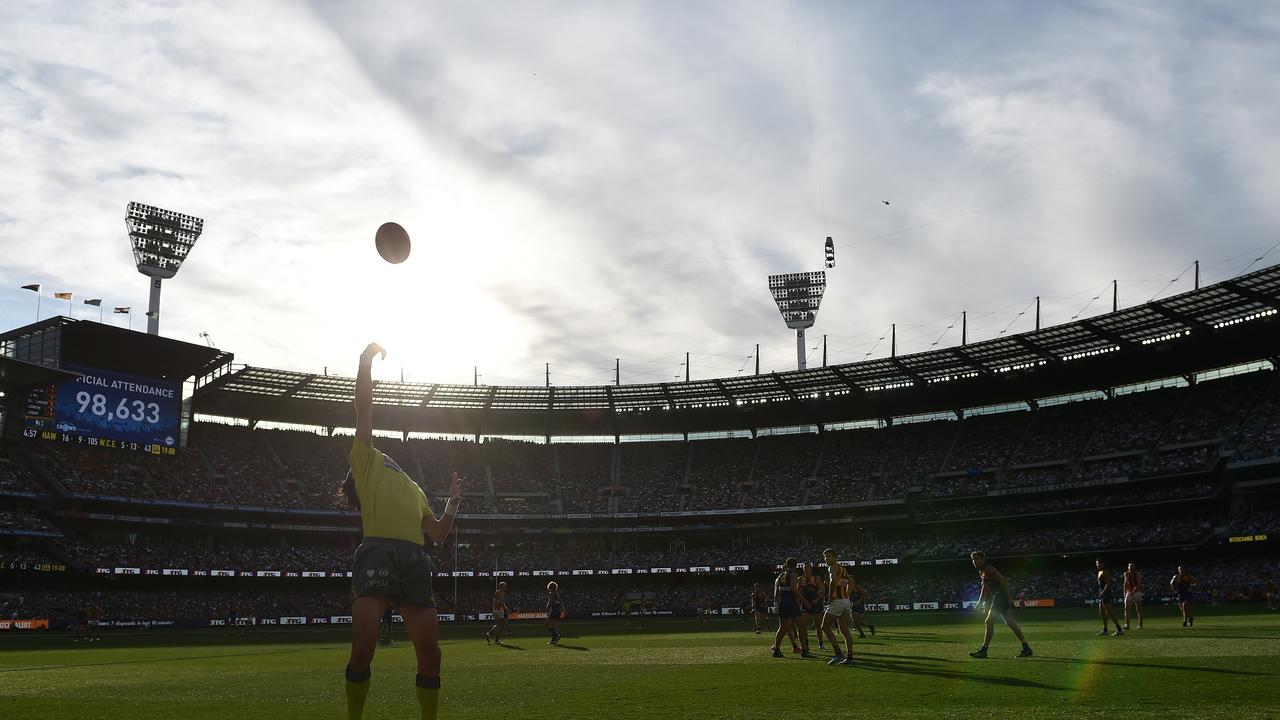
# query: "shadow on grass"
{"points": [[922, 658], [166, 659], [1116, 663], [579, 648], [509, 646], [869, 663]]}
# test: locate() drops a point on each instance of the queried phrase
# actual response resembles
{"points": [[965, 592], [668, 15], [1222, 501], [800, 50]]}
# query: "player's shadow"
{"points": [[923, 658], [1240, 637], [911, 668], [1116, 663], [509, 646], [579, 648]]}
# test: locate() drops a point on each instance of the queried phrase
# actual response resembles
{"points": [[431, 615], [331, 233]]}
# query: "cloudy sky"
{"points": [[585, 181]]}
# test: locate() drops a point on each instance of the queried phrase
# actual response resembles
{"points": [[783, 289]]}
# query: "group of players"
{"points": [[800, 595], [502, 614], [1181, 585]]}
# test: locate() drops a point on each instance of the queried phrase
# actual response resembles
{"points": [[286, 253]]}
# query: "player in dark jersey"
{"points": [[82, 622], [1269, 592], [786, 595], [1181, 584], [996, 598], [1132, 594], [555, 611], [384, 632], [758, 605], [811, 599], [858, 600], [1106, 598], [500, 614]]}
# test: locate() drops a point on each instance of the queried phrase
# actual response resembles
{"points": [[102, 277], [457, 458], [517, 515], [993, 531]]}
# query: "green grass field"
{"points": [[1228, 666]]}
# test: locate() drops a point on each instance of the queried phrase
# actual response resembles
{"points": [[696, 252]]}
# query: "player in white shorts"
{"points": [[1132, 594], [839, 608]]}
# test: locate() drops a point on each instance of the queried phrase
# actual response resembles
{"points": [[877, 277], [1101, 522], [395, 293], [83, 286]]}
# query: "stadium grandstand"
{"points": [[1150, 433]]}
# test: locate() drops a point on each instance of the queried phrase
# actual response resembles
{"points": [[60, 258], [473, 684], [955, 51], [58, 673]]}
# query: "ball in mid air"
{"points": [[392, 242]]}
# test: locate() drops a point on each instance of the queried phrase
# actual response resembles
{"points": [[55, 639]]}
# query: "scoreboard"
{"points": [[108, 409]]}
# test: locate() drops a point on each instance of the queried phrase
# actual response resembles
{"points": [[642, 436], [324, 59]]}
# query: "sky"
{"points": [[590, 181]]}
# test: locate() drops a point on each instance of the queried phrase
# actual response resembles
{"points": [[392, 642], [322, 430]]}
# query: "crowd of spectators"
{"points": [[1028, 504], [1166, 431], [13, 476], [25, 520], [208, 555], [652, 475], [1259, 435], [1221, 581], [1099, 537]]}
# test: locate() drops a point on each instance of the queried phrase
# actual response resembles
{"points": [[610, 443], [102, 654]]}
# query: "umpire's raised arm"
{"points": [[364, 393]]}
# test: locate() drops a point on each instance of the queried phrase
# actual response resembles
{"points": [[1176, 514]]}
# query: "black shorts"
{"points": [[1000, 604], [860, 608], [788, 610], [395, 568], [1108, 599]]}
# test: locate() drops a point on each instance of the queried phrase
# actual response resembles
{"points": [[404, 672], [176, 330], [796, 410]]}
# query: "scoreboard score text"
{"points": [[108, 409]]}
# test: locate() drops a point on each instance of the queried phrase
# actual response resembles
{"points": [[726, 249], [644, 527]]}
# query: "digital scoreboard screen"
{"points": [[108, 409]]}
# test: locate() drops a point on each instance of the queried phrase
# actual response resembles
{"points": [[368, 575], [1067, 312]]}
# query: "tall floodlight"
{"points": [[161, 240], [798, 296]]}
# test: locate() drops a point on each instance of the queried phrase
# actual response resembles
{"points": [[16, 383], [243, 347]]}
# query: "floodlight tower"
{"points": [[798, 296], [161, 240]]}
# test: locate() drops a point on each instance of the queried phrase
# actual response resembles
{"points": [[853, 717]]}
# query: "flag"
{"points": [[33, 288], [97, 302], [122, 310], [62, 296]]}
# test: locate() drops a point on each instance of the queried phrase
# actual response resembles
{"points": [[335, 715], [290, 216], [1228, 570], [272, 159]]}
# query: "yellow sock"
{"points": [[428, 696], [357, 693]]}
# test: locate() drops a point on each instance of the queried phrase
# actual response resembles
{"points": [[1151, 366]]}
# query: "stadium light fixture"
{"points": [[798, 296], [161, 241]]}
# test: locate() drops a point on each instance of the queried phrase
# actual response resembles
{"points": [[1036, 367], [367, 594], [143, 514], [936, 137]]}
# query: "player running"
{"points": [[500, 614], [839, 609], [1182, 584], [390, 563], [1106, 598], [858, 600], [1269, 592], [812, 590], [555, 611], [759, 603], [995, 596], [1132, 594]]}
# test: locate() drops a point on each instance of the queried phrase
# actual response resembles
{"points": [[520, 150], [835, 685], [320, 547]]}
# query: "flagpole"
{"points": [[99, 313], [37, 306], [69, 311]]}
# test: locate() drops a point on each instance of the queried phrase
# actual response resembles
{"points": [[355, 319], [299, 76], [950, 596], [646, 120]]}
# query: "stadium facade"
{"points": [[1149, 434]]}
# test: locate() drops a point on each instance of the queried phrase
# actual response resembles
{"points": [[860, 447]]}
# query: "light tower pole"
{"points": [[798, 296], [161, 240]]}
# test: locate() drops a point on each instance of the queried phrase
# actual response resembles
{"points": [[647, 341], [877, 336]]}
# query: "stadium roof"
{"points": [[17, 377], [1231, 322], [60, 341]]}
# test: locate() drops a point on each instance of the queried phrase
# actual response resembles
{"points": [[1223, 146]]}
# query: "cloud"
{"points": [[590, 182]]}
